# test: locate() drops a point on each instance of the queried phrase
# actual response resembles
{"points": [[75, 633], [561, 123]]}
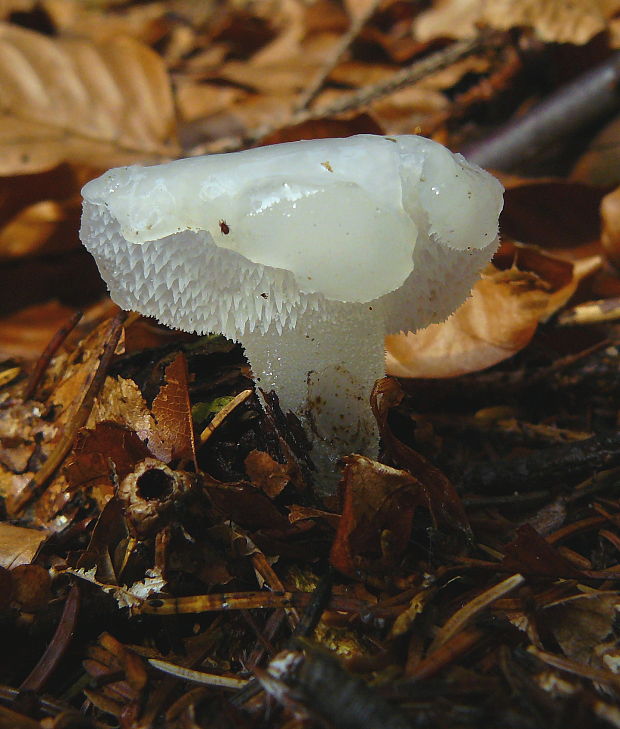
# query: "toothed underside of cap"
{"points": [[186, 282], [207, 289]]}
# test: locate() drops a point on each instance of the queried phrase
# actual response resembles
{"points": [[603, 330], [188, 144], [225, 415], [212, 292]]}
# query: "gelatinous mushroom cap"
{"points": [[254, 240]]}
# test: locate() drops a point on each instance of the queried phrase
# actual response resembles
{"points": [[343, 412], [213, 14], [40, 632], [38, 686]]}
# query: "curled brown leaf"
{"points": [[498, 319]]}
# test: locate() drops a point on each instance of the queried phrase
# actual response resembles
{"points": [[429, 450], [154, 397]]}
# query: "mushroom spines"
{"points": [[187, 282]]}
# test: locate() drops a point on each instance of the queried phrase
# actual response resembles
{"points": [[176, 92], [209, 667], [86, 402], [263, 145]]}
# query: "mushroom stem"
{"points": [[323, 370]]}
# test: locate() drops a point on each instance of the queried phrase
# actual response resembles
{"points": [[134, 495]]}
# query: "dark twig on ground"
{"points": [[588, 98]]}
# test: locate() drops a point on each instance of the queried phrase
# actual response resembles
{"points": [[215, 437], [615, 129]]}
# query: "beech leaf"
{"points": [[498, 319], [552, 20], [173, 412], [70, 99], [19, 545], [378, 501]]}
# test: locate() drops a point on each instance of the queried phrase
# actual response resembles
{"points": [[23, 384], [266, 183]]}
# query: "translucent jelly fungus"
{"points": [[308, 253]]}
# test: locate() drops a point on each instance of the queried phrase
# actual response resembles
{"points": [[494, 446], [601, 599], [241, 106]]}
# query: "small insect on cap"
{"points": [[255, 240]]}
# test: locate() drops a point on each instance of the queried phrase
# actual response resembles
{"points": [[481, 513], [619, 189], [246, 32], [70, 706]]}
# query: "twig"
{"points": [[267, 573], [310, 619], [591, 96], [591, 312], [357, 23], [248, 600], [556, 463], [465, 614], [222, 414], [447, 653], [362, 97], [63, 446], [405, 77], [318, 603], [58, 645], [204, 679], [47, 354], [598, 675]]}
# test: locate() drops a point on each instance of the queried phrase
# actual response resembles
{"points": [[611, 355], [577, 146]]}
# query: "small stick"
{"points": [[357, 23], [44, 474], [589, 97], [598, 675], [362, 97], [251, 600], [556, 463], [591, 312], [204, 679], [447, 653], [47, 354], [58, 645], [317, 605], [465, 614], [223, 414], [267, 573], [405, 77]]}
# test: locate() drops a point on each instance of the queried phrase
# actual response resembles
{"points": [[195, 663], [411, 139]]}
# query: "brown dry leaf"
{"points": [[22, 427], [173, 412], [19, 545], [79, 372], [145, 22], [554, 21], [120, 401], [104, 104], [40, 213], [610, 236], [375, 526], [245, 505], [11, 483], [31, 587], [581, 623], [289, 17], [280, 78], [531, 554], [265, 473], [408, 109], [254, 112], [201, 100], [498, 319], [360, 7], [448, 19], [95, 451], [322, 128], [441, 497], [600, 163]]}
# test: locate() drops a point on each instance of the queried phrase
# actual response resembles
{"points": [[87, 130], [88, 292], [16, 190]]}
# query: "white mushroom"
{"points": [[308, 253]]}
